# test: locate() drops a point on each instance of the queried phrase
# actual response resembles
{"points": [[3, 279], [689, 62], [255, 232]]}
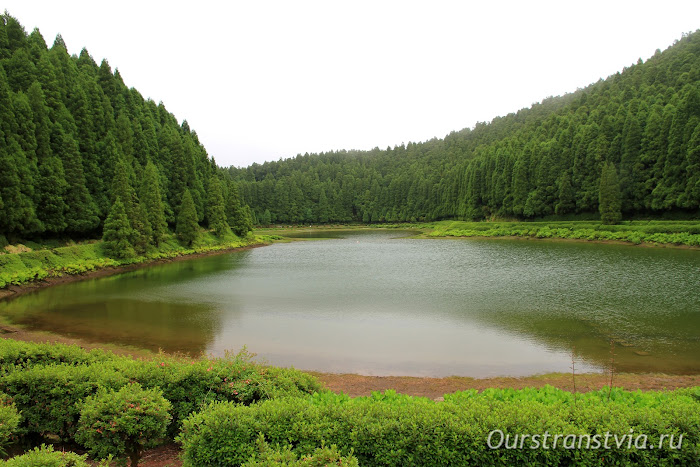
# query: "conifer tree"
{"points": [[566, 195], [187, 220], [81, 215], [51, 208], [216, 215], [142, 231], [117, 233], [239, 221], [152, 202], [609, 195]]}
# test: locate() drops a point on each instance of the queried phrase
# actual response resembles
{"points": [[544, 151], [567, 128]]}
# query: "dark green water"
{"points": [[372, 303]]}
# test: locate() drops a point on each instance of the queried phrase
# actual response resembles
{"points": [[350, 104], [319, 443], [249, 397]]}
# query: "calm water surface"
{"points": [[374, 303]]}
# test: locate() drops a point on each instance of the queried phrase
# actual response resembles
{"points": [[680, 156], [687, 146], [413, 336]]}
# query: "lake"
{"points": [[378, 303]]}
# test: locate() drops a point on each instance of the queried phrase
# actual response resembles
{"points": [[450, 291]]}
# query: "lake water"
{"points": [[374, 303]]}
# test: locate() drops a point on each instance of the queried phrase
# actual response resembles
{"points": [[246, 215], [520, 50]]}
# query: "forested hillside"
{"points": [[77, 146], [643, 122]]}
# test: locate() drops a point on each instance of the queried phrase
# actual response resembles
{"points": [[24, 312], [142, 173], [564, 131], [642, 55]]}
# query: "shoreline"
{"points": [[356, 385], [427, 233], [12, 291], [560, 239]]}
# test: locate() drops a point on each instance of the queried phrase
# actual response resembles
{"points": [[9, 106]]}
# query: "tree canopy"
{"points": [[74, 139], [540, 161]]}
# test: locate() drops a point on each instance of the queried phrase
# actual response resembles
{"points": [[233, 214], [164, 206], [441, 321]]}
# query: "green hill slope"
{"points": [[542, 161]]}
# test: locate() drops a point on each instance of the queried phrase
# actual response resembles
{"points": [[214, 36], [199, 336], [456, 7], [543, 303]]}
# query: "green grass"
{"points": [[42, 261], [636, 232]]}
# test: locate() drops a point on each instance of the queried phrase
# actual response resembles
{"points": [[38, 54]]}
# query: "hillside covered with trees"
{"points": [[80, 152], [640, 126]]}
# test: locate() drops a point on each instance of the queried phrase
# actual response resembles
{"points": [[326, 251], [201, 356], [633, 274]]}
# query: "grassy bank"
{"points": [[23, 263], [685, 233], [656, 232]]}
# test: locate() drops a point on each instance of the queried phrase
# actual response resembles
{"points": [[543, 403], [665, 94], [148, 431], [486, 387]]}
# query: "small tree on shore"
{"points": [[187, 220], [117, 232]]}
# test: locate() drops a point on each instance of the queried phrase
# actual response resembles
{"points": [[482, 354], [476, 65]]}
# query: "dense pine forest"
{"points": [[84, 156], [640, 126], [80, 152]]}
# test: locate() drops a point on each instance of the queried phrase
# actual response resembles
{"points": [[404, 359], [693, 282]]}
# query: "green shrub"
{"points": [[391, 429], [9, 420], [321, 457], [16, 355], [122, 422], [49, 396], [45, 456], [49, 381], [190, 385]]}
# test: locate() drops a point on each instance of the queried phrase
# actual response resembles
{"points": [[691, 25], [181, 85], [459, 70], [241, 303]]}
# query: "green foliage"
{"points": [[610, 203], [69, 129], [46, 456], [321, 457], [187, 220], [216, 215], [392, 429], [152, 201], [118, 233], [123, 422], [49, 382], [661, 232], [642, 119], [9, 420], [19, 268], [49, 396], [239, 218]]}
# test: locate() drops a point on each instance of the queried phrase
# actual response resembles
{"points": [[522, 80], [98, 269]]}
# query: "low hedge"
{"points": [[396, 430]]}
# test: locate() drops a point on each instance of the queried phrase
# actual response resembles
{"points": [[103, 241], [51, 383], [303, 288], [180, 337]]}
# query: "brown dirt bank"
{"points": [[16, 290], [358, 385]]}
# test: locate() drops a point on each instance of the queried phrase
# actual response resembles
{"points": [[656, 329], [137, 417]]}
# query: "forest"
{"points": [[628, 146], [82, 155]]}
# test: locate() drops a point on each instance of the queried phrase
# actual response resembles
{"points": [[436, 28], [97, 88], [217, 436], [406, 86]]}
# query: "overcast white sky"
{"points": [[260, 80]]}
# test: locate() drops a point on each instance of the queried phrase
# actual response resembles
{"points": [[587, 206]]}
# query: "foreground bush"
{"points": [[45, 456], [9, 420], [17, 355], [48, 382], [390, 429], [321, 457], [126, 421]]}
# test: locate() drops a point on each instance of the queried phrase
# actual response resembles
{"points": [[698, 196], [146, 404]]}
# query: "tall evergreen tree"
{"points": [[239, 221], [117, 233], [216, 215], [52, 208], [81, 215], [152, 201], [186, 228], [566, 201], [609, 198]]}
